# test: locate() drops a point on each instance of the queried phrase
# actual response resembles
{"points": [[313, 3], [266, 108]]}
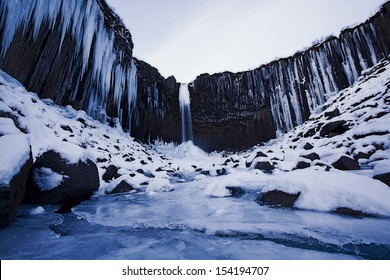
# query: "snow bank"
{"points": [[217, 188], [159, 185], [14, 152], [382, 167], [327, 191], [7, 126]]}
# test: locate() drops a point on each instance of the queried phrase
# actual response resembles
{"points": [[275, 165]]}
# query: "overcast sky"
{"points": [[185, 38]]}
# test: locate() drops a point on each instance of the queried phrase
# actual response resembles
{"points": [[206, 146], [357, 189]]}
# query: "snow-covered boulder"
{"points": [[279, 198], [58, 180], [122, 187], [382, 172], [346, 163], [15, 164]]}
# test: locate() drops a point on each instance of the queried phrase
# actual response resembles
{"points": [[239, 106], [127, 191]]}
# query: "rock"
{"points": [[308, 146], [279, 198], [122, 187], [236, 191], [264, 166], [221, 171], [258, 154], [361, 155], [312, 156], [12, 194], [333, 128], [349, 212], [332, 114], [80, 180], [384, 178], [346, 163], [302, 164], [67, 128], [111, 173]]}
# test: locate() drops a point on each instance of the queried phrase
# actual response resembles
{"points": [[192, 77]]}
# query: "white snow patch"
{"points": [[217, 188], [47, 179], [327, 191], [37, 211], [7, 126], [14, 152], [382, 167], [159, 185]]}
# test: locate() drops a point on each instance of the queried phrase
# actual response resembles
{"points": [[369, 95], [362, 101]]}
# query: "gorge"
{"points": [[101, 157]]}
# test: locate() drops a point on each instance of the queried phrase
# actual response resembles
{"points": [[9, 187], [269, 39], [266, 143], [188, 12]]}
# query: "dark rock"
{"points": [[361, 155], [221, 171], [101, 160], [346, 163], [349, 212], [323, 164], [11, 196], [303, 164], [236, 191], [335, 128], [258, 154], [308, 146], [140, 171], [67, 128], [81, 179], [279, 198], [264, 166], [111, 173], [332, 114], [312, 156], [205, 172], [384, 178], [122, 187]]}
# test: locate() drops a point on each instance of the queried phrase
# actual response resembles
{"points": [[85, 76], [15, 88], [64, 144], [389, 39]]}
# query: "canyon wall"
{"points": [[80, 53], [238, 110]]}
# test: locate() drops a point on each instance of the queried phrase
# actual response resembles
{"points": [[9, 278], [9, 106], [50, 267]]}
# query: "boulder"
{"points": [[302, 164], [111, 173], [11, 194], [308, 146], [79, 180], [331, 129], [279, 198], [349, 212], [346, 163], [264, 166], [122, 187], [236, 191], [258, 154], [312, 156], [384, 178], [331, 114]]}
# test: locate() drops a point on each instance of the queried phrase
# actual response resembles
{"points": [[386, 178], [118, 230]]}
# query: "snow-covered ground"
{"points": [[192, 205]]}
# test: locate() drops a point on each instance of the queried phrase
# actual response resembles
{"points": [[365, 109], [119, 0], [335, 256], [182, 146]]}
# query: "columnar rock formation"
{"points": [[80, 53], [238, 110]]}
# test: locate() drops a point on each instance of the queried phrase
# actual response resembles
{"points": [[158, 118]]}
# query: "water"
{"points": [[188, 224], [185, 108]]}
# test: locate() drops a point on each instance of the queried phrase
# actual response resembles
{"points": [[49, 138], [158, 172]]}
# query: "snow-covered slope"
{"points": [[181, 191]]}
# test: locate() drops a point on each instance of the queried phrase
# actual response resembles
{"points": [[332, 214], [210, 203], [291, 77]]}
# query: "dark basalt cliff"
{"points": [[239, 110], [80, 53], [157, 114]]}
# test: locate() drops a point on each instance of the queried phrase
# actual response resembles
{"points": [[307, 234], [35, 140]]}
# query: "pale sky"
{"points": [[186, 38]]}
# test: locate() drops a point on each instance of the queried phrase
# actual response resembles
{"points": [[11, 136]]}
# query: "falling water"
{"points": [[186, 121]]}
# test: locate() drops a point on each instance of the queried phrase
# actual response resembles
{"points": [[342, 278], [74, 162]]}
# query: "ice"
{"points": [[14, 152], [37, 211]]}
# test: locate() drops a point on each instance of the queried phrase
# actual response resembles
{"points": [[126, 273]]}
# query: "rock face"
{"points": [[238, 110], [80, 53], [11, 196], [78, 181], [157, 115]]}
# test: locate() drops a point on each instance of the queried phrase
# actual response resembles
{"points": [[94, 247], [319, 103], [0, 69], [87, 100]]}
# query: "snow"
{"points": [[37, 211], [14, 152], [382, 167], [327, 191], [7, 126], [217, 188], [161, 185], [47, 179]]}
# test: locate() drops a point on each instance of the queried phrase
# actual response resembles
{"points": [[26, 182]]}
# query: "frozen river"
{"points": [[188, 224]]}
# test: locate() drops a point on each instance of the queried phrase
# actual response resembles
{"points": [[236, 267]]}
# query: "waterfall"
{"points": [[185, 108]]}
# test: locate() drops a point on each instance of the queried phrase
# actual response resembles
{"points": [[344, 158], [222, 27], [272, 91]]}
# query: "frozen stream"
{"points": [[188, 224]]}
